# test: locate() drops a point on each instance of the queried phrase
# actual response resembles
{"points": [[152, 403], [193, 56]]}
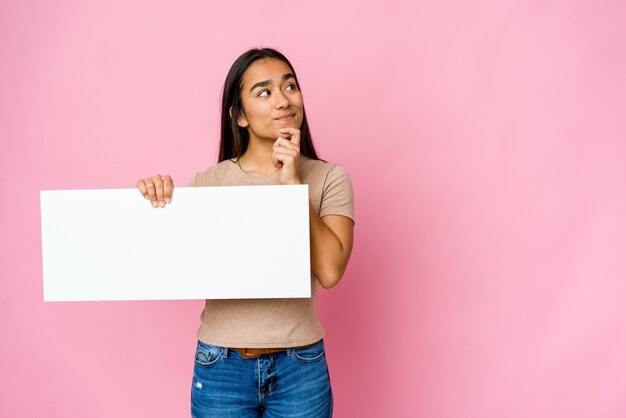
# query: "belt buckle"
{"points": [[256, 352], [253, 352], [250, 353]]}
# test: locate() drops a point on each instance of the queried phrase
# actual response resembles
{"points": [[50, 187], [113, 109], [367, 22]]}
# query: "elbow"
{"points": [[327, 284], [331, 279]]}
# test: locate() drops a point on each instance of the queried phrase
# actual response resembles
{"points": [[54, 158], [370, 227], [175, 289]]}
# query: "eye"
{"points": [[292, 85]]}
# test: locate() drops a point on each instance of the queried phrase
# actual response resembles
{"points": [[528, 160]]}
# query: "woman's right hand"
{"points": [[158, 189]]}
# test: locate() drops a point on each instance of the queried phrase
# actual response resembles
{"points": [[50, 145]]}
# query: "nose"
{"points": [[280, 100]]}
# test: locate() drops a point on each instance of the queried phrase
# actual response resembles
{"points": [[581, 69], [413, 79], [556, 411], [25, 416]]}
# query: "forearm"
{"points": [[326, 251]]}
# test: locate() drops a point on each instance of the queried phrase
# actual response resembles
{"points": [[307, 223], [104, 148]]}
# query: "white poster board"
{"points": [[209, 243]]}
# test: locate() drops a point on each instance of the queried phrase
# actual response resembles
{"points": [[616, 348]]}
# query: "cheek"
{"points": [[258, 113], [297, 100]]}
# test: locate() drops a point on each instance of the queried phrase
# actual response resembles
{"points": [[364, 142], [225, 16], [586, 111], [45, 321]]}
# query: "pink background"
{"points": [[486, 143]]}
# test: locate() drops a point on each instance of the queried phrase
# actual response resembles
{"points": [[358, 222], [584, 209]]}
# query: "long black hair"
{"points": [[234, 139]]}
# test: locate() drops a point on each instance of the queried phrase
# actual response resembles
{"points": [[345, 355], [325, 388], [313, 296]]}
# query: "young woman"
{"points": [[265, 357]]}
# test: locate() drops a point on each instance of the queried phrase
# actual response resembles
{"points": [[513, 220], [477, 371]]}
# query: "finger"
{"points": [[295, 134], [141, 185], [275, 160], [285, 132], [285, 143], [158, 186], [285, 157], [151, 191], [168, 188], [282, 155]]}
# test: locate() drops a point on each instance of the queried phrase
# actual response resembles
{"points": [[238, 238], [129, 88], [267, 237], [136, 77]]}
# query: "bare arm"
{"points": [[331, 246]]}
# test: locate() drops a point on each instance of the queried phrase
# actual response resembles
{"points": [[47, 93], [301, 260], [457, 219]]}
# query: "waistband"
{"points": [[258, 352]]}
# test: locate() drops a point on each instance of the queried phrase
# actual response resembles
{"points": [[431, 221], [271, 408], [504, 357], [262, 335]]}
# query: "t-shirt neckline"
{"points": [[254, 179], [259, 179]]}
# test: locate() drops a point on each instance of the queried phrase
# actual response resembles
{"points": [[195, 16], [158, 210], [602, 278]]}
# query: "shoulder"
{"points": [[318, 171], [212, 175]]}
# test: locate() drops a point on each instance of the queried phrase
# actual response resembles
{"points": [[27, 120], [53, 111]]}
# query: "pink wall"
{"points": [[487, 146]]}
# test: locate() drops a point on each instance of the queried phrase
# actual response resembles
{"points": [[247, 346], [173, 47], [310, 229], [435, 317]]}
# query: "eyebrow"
{"points": [[268, 82]]}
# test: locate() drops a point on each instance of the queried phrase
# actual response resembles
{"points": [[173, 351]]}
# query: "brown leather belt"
{"points": [[258, 352]]}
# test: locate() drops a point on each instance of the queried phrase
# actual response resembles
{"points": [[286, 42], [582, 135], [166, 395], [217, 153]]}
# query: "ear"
{"points": [[241, 120]]}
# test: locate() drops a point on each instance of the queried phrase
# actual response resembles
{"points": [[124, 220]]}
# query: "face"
{"points": [[268, 94]]}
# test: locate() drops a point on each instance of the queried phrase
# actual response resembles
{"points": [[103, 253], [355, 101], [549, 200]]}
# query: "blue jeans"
{"points": [[292, 383]]}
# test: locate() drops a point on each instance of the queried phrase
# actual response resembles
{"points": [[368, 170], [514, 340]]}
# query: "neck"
{"points": [[257, 160]]}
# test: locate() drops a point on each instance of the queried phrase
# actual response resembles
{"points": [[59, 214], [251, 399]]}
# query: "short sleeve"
{"points": [[192, 181], [337, 198]]}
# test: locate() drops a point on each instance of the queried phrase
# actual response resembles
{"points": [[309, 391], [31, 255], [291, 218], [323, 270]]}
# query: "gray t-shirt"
{"points": [[267, 323]]}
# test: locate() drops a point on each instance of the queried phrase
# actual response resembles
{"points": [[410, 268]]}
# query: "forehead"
{"points": [[265, 69]]}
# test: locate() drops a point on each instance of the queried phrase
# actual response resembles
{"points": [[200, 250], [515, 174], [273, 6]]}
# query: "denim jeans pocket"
{"points": [[309, 354], [207, 355]]}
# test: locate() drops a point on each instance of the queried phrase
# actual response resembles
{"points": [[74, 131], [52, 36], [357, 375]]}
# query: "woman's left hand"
{"points": [[286, 155]]}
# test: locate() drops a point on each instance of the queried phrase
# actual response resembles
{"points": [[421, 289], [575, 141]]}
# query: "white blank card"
{"points": [[209, 243]]}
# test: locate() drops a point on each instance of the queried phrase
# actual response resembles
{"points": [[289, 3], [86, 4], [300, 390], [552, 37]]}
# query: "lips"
{"points": [[284, 117]]}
